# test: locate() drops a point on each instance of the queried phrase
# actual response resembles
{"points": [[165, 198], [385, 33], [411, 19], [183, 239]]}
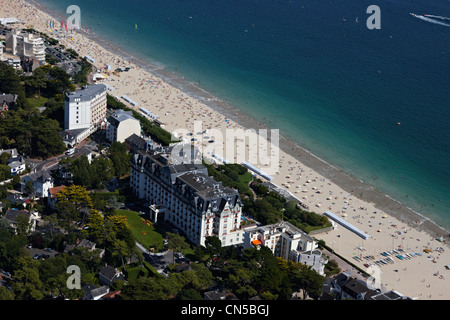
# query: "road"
{"points": [[37, 165]]}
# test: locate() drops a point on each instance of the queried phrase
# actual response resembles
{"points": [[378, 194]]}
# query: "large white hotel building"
{"points": [[85, 110], [183, 194]]}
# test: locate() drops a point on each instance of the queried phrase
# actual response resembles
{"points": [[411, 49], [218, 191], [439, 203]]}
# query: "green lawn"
{"points": [[245, 178], [144, 234], [37, 102]]}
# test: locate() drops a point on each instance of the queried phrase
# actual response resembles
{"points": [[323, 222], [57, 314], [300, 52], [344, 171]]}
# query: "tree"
{"points": [[5, 172], [77, 195], [29, 187], [46, 139], [310, 282], [38, 80], [120, 158], [154, 288], [4, 158], [51, 220], [9, 80], [95, 224], [188, 294], [102, 169], [23, 226], [213, 246], [6, 294], [82, 175], [67, 212], [27, 284], [176, 242], [120, 250]]}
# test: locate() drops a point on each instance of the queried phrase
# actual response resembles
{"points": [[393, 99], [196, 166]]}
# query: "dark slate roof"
{"points": [[12, 215], [205, 186], [108, 272], [138, 142], [120, 115], [40, 176], [220, 295], [7, 98], [99, 291]]}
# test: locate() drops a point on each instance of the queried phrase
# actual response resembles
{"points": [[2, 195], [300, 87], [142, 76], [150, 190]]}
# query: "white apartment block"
{"points": [[184, 195], [25, 45], [288, 242], [85, 108], [121, 125]]}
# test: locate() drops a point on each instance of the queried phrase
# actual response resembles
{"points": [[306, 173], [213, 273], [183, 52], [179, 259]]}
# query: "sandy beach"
{"points": [[317, 184]]}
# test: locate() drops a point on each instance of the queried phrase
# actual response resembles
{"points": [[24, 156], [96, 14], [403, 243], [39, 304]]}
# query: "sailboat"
{"points": [[135, 27]]}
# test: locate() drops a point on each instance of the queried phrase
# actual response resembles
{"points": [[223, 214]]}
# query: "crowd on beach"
{"points": [[176, 109]]}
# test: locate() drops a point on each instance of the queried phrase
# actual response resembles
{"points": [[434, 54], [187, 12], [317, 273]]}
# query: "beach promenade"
{"points": [[318, 185]]}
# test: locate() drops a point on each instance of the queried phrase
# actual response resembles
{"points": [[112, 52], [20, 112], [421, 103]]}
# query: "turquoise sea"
{"points": [[315, 71]]}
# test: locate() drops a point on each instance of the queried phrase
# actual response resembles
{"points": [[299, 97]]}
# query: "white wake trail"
{"points": [[437, 17], [432, 20]]}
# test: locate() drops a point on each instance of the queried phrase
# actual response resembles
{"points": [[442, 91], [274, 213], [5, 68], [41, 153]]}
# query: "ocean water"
{"points": [[315, 71]]}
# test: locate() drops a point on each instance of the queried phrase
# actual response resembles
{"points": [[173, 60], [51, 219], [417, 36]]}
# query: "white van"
{"points": [[70, 151]]}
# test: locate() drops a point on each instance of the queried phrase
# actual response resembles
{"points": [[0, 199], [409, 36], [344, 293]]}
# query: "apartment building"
{"points": [[182, 193], [288, 242], [121, 125], [85, 108], [25, 45], [84, 112]]}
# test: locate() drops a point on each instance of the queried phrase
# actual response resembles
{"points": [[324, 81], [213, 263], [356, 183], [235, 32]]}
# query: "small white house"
{"points": [[17, 165], [12, 216], [42, 182]]}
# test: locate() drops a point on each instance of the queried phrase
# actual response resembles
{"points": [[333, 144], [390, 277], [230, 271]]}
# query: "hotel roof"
{"points": [[120, 116], [86, 93], [205, 186]]}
